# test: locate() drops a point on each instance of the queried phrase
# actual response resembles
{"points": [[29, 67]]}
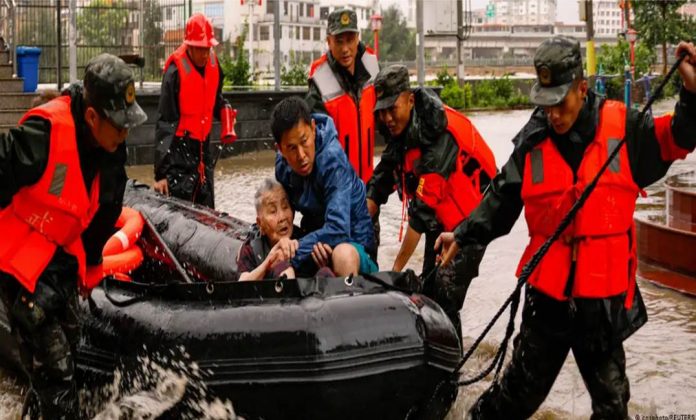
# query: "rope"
{"points": [[528, 269]]}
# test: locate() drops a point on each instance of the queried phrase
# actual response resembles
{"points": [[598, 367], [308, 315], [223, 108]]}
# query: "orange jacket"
{"points": [[454, 198], [197, 94], [53, 212], [599, 245], [355, 122]]}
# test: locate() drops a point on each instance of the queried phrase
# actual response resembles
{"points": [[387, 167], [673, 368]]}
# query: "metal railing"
{"points": [[152, 29]]}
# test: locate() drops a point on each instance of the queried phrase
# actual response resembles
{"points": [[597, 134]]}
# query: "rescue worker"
{"points": [[191, 96], [321, 185], [583, 295], [340, 85], [63, 183], [440, 165]]}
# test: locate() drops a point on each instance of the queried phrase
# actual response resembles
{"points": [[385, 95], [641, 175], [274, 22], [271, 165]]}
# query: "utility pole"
{"points": [[251, 38], [460, 37], [276, 43], [72, 40], [590, 49], [420, 40], [59, 61]]}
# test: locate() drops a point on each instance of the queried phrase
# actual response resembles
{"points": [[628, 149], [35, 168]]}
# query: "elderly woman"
{"points": [[268, 255]]}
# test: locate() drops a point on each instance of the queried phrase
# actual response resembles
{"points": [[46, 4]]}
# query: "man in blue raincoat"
{"points": [[324, 188]]}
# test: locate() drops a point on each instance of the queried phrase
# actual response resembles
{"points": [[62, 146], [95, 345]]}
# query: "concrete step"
{"points": [[5, 71], [11, 116], [13, 84], [16, 100], [4, 57]]}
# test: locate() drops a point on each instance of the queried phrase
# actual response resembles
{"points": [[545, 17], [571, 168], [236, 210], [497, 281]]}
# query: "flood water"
{"points": [[661, 356]]}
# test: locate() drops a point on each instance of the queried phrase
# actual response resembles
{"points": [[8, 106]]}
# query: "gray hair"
{"points": [[268, 184]]}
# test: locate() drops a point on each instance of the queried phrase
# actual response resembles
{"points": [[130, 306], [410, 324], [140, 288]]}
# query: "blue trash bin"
{"points": [[28, 67]]}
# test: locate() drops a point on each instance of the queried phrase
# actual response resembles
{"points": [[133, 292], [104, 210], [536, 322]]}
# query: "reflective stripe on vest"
{"points": [[52, 212], [355, 124], [197, 94], [598, 239], [454, 199]]}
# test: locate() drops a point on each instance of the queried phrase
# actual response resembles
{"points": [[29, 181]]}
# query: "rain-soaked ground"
{"points": [[661, 357]]}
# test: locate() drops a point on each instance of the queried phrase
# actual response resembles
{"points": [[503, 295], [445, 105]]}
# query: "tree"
{"points": [[660, 23], [295, 76], [238, 72], [102, 22], [153, 49], [396, 41]]}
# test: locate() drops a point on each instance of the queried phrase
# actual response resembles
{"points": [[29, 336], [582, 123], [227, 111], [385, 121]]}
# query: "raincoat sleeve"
{"points": [[23, 157], [660, 140], [337, 221], [220, 102], [383, 181], [313, 99], [167, 122]]}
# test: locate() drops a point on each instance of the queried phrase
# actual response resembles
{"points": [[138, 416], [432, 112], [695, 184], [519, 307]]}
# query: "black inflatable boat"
{"points": [[306, 348]]}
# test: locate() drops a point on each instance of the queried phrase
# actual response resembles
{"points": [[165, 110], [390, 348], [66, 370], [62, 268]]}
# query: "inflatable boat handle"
{"points": [[166, 249]]}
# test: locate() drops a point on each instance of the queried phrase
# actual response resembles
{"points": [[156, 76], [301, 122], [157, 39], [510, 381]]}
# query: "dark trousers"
{"points": [[539, 353], [449, 285], [46, 325], [183, 174]]}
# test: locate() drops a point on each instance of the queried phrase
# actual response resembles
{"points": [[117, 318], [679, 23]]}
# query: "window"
{"points": [[285, 8], [168, 13], [264, 33], [306, 33], [301, 9], [270, 5], [323, 13], [317, 34], [310, 10], [297, 32]]}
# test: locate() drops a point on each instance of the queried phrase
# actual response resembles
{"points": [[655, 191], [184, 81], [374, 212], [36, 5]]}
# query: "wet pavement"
{"points": [[661, 357]]}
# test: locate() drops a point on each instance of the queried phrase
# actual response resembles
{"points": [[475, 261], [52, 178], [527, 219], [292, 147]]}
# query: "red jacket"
{"points": [[355, 122], [599, 245], [53, 212], [197, 94]]}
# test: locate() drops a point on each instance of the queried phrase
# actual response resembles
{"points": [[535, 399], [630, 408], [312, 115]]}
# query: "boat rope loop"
{"points": [[528, 269]]}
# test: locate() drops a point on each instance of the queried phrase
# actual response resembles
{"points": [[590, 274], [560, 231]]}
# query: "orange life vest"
{"points": [[53, 212], [599, 244], [454, 198], [355, 122], [197, 94]]}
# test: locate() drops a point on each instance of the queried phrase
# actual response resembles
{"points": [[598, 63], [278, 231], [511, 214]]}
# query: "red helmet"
{"points": [[199, 32]]}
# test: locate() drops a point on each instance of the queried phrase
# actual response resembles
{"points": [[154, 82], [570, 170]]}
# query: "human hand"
{"points": [[161, 186], [687, 68], [449, 247], [372, 207], [321, 254]]}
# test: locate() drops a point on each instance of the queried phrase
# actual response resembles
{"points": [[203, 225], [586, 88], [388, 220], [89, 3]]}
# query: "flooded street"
{"points": [[661, 356]]}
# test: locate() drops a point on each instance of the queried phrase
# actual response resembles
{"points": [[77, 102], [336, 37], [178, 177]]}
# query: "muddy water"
{"points": [[661, 357]]}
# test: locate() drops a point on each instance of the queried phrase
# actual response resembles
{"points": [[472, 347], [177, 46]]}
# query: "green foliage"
{"points": [[660, 23], [614, 58], [101, 22], [444, 78], [396, 41], [296, 76], [454, 96], [488, 93], [237, 72], [152, 36]]}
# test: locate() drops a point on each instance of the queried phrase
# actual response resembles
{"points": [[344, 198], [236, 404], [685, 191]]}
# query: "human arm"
{"points": [[408, 245], [314, 100], [384, 178], [23, 157], [165, 128], [658, 141]]}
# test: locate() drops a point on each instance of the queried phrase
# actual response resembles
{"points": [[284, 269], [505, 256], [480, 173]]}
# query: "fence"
{"points": [[148, 28]]}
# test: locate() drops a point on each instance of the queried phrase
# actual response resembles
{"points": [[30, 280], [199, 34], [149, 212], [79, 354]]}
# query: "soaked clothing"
{"points": [[427, 130], [592, 328], [178, 158], [331, 199], [255, 250], [48, 330]]}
